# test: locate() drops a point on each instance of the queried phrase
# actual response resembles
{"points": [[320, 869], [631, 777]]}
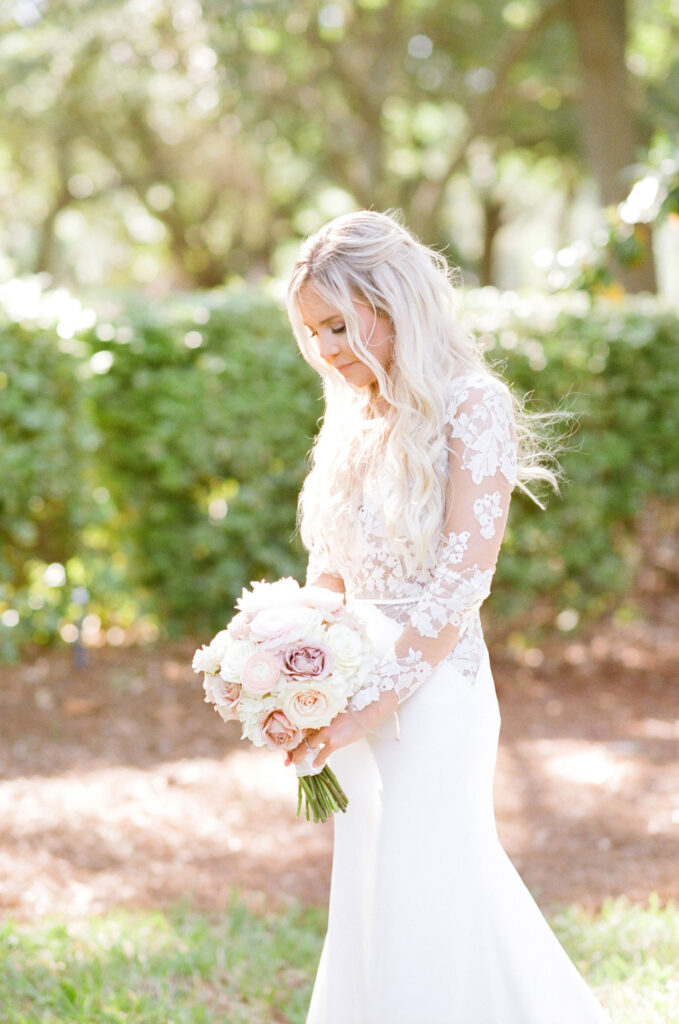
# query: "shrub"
{"points": [[156, 453], [205, 414], [614, 365]]}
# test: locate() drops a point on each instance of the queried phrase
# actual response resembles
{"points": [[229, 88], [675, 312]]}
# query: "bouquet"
{"points": [[286, 664]]}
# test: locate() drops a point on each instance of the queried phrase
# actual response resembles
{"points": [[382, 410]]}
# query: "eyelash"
{"points": [[333, 330]]}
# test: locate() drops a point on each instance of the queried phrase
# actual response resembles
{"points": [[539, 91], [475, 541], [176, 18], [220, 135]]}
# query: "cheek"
{"points": [[384, 344], [377, 336]]}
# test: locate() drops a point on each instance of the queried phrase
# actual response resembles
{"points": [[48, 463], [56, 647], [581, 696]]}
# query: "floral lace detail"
{"points": [[485, 429], [455, 547], [486, 511], [438, 606], [452, 600], [401, 674]]}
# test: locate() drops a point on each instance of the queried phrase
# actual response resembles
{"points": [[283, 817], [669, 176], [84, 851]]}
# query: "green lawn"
{"points": [[181, 967]]}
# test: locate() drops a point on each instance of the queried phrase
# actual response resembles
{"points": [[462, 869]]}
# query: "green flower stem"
{"points": [[321, 795]]}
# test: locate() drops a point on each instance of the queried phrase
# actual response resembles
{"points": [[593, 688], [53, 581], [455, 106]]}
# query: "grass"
{"points": [[184, 967]]}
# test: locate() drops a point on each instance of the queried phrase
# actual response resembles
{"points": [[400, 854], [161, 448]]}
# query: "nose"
{"points": [[328, 345]]}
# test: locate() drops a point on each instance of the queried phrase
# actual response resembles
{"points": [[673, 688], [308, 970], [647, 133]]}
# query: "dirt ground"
{"points": [[119, 786]]}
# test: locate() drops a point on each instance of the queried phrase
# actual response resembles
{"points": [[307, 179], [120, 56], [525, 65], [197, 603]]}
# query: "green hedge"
{"points": [[206, 415], [156, 453], [615, 367]]}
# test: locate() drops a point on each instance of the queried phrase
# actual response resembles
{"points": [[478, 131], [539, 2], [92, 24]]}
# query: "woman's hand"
{"points": [[345, 728]]}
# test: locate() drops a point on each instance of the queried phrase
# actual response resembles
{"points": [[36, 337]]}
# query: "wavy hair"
{"points": [[398, 422]]}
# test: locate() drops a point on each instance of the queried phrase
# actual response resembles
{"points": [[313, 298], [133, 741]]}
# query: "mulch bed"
{"points": [[118, 786]]}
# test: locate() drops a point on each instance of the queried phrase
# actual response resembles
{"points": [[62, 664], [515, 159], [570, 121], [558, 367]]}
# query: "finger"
{"points": [[323, 756]]}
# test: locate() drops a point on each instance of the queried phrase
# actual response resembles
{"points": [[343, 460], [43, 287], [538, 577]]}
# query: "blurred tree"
{"points": [[189, 141], [610, 122]]}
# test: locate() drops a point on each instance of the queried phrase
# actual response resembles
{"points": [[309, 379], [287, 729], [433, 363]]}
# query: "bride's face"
{"points": [[329, 335]]}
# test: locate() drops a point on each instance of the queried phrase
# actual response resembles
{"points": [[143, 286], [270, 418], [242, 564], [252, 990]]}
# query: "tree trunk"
{"points": [[609, 126], [492, 222]]}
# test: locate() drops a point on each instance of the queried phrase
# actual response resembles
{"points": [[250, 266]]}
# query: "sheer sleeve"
{"points": [[482, 474]]}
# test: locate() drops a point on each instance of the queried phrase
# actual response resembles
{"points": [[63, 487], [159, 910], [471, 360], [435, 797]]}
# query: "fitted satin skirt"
{"points": [[429, 923]]}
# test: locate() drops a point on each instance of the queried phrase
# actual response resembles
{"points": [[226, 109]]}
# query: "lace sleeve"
{"points": [[482, 473]]}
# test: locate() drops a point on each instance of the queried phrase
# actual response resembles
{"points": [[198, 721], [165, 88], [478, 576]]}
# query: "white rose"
{"points": [[313, 704], [205, 660], [234, 657], [347, 646], [220, 643], [252, 712]]}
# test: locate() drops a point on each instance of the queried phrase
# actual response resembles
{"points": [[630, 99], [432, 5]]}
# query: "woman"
{"points": [[404, 509]]}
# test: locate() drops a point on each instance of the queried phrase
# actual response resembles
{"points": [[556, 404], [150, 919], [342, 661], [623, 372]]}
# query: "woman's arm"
{"points": [[327, 580], [482, 474]]}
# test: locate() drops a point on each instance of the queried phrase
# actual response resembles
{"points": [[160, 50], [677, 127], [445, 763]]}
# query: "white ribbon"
{"points": [[306, 766]]}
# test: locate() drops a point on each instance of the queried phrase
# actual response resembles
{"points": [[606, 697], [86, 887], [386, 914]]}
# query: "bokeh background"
{"points": [[160, 161]]}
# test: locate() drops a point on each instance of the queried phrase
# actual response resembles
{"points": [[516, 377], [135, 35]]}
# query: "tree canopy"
{"points": [[189, 142]]}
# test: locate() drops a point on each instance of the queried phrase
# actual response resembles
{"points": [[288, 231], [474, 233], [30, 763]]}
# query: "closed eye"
{"points": [[339, 330]]}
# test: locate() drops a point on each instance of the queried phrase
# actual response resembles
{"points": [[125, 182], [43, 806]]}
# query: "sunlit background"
{"points": [[169, 143], [160, 161]]}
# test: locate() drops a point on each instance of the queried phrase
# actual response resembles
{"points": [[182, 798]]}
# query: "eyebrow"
{"points": [[335, 316]]}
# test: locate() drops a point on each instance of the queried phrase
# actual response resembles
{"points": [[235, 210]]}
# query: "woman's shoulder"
{"points": [[479, 386]]}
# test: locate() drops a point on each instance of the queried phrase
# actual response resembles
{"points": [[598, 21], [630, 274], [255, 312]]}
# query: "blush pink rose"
{"points": [[223, 694], [312, 704], [307, 660], [261, 672], [279, 734]]}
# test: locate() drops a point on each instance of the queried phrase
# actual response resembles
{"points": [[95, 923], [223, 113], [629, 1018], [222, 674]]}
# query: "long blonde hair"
{"points": [[398, 423]]}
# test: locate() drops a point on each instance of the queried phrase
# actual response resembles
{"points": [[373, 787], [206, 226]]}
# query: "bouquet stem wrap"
{"points": [[318, 791]]}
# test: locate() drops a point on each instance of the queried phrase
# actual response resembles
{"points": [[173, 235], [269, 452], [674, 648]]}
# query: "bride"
{"points": [[403, 510]]}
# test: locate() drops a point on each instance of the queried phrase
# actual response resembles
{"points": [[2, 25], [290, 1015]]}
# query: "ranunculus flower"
{"points": [[278, 733], [307, 660], [261, 672], [312, 705], [235, 656]]}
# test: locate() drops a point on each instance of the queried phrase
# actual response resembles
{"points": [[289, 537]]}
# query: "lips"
{"points": [[345, 366]]}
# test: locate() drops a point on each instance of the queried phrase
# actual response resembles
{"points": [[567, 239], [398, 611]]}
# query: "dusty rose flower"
{"points": [[261, 672], [307, 660], [278, 733]]}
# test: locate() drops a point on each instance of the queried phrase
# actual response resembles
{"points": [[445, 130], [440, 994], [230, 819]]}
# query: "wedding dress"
{"points": [[429, 923]]}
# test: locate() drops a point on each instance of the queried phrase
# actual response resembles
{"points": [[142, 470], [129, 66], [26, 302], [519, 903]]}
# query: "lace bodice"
{"points": [[438, 606]]}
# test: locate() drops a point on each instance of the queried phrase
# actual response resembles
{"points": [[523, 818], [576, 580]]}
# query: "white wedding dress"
{"points": [[429, 923]]}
